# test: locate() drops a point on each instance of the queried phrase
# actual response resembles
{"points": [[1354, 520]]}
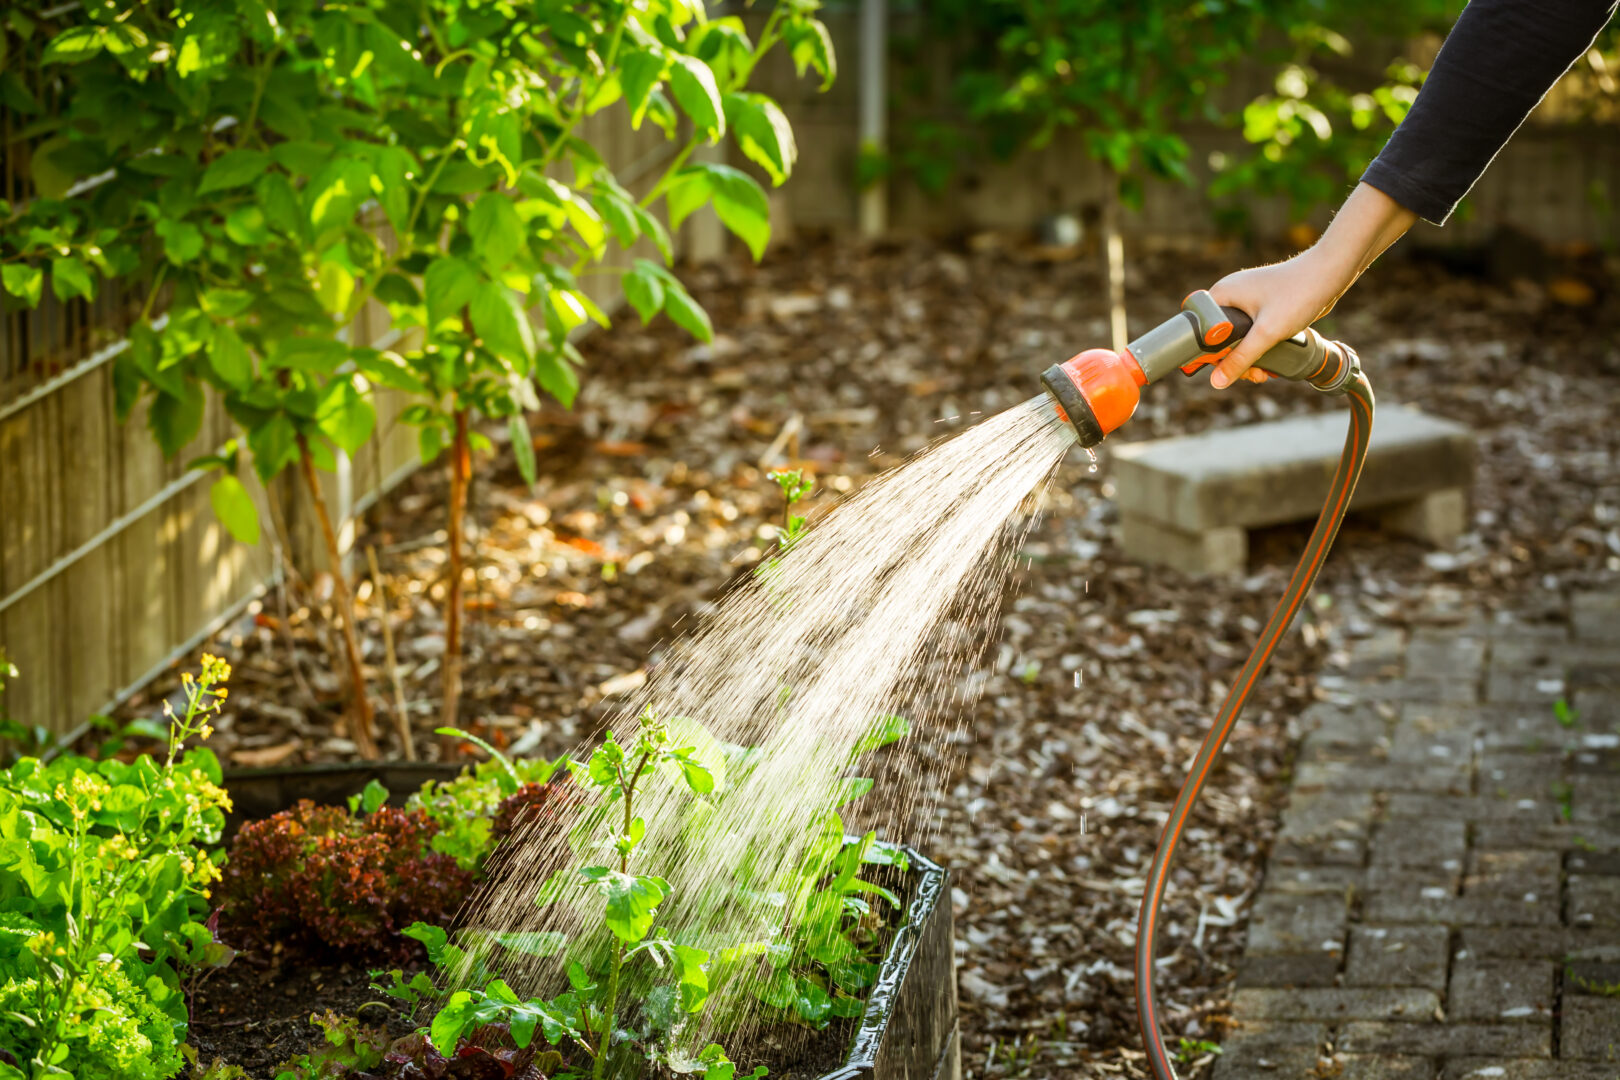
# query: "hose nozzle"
{"points": [[1096, 391]]}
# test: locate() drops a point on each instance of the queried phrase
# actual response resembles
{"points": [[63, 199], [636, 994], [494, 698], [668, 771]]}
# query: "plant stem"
{"points": [[460, 473], [402, 718], [599, 1069], [359, 701]]}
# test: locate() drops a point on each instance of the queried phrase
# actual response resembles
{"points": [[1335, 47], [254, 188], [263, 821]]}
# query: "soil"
{"points": [[259, 1016], [256, 1013], [653, 496]]}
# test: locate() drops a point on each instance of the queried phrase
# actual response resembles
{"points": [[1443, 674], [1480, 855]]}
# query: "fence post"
{"points": [[874, 106]]}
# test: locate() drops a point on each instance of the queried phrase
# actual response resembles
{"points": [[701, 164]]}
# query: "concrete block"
{"points": [[1381, 1067], [1269, 473], [1209, 551], [1437, 518], [1479, 1068]]}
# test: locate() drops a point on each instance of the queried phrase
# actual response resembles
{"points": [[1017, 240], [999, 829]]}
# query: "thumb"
{"points": [[1231, 368]]}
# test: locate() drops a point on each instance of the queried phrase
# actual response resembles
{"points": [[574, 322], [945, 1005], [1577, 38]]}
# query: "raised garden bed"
{"points": [[258, 1012]]}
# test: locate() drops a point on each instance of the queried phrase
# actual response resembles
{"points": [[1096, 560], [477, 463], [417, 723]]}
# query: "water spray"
{"points": [[1097, 391]]}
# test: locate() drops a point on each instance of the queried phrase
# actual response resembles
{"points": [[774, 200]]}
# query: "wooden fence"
{"points": [[112, 564]]}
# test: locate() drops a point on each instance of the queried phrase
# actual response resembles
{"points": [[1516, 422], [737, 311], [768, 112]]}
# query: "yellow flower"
{"points": [[205, 732]]}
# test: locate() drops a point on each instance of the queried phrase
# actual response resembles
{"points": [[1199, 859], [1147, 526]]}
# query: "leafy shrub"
{"points": [[464, 809], [105, 1027], [321, 877], [105, 883]]}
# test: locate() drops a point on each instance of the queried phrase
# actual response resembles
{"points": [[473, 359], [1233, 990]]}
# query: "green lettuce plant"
{"points": [[105, 875]]}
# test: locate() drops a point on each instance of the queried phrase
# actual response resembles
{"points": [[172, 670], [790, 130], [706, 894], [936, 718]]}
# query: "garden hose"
{"points": [[1097, 391]]}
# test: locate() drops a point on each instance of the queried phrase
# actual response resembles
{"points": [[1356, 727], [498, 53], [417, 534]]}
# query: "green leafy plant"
{"points": [[348, 1046], [106, 879], [1190, 1050], [278, 171], [468, 809], [1566, 714]]}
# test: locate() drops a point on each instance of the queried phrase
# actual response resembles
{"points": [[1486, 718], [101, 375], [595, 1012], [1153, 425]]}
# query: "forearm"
{"points": [[1365, 226]]}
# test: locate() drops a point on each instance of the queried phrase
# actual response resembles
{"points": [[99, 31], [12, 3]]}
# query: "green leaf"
{"points": [[182, 241], [334, 286], [689, 191], [345, 416], [498, 316], [620, 215], [230, 358], [811, 48], [640, 70], [697, 94], [233, 169], [632, 903], [686, 312], [884, 730], [26, 283], [763, 134], [742, 205], [694, 980], [280, 204], [234, 508], [652, 227], [496, 229], [372, 796], [391, 171], [75, 45], [308, 354], [175, 420], [449, 1022], [450, 284], [70, 278], [274, 445], [522, 446], [246, 226], [644, 289], [557, 378]]}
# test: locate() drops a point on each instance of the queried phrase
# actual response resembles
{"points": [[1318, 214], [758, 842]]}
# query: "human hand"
{"points": [[1282, 299], [1285, 298]]}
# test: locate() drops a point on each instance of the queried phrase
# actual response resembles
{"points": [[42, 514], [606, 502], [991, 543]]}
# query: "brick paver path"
{"points": [[1443, 900]]}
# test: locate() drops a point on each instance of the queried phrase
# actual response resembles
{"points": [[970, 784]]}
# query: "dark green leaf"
{"points": [[742, 205], [496, 229], [557, 378], [522, 446], [274, 445], [644, 289], [640, 71], [686, 312], [230, 359], [175, 420], [450, 284], [234, 508], [499, 318], [233, 169]]}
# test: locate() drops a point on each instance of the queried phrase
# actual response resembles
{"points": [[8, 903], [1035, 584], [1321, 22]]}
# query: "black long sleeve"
{"points": [[1498, 62]]}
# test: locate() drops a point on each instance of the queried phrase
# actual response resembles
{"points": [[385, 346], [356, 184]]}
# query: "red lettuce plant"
{"points": [[322, 878]]}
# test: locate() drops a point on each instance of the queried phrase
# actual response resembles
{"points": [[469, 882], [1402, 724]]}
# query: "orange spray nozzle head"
{"points": [[1096, 391]]}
